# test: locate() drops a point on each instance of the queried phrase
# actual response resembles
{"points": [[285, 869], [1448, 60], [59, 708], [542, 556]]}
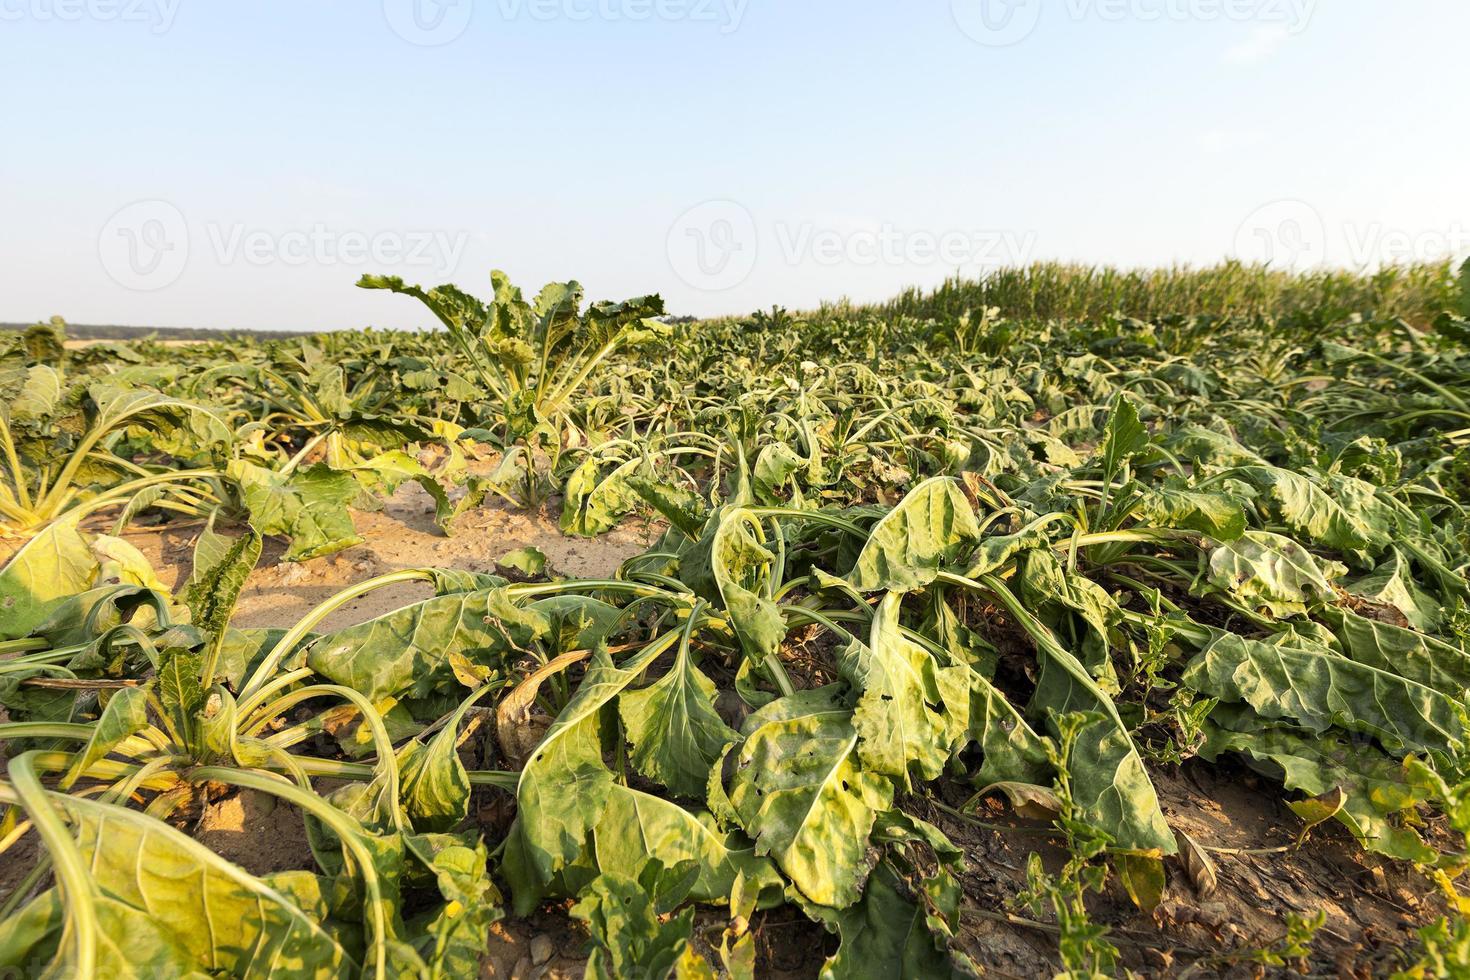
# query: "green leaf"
{"points": [[1109, 783], [452, 939], [406, 653], [309, 506], [53, 566], [1211, 445], [906, 549], [178, 427], [1075, 608], [384, 473], [901, 930], [221, 567], [1216, 514], [433, 783], [448, 581], [528, 561], [594, 504], [997, 549], [795, 786], [682, 508], [565, 786], [126, 714], [729, 565], [179, 689], [636, 828], [1265, 570], [674, 729], [244, 648], [773, 467], [1124, 436], [576, 622], [80, 619], [1320, 690], [1312, 513], [1392, 584], [628, 938], [1014, 752], [1414, 656], [911, 713], [226, 919], [39, 396]]}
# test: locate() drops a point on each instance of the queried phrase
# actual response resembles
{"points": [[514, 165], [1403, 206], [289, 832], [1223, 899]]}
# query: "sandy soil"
{"points": [[402, 535]]}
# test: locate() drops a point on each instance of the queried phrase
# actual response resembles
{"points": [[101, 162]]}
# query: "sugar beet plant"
{"points": [[65, 447], [904, 570], [533, 358]]}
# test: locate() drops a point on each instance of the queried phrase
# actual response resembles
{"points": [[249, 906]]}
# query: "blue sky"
{"points": [[180, 163]]}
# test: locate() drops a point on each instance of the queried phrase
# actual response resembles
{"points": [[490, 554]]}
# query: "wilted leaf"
{"points": [[1143, 878], [906, 549], [1320, 690], [1197, 864], [673, 727], [53, 566], [309, 506], [1267, 570], [406, 652], [910, 711], [226, 919], [797, 790]]}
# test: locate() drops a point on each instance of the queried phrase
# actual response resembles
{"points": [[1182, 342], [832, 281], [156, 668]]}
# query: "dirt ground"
{"points": [[402, 535], [1373, 906]]}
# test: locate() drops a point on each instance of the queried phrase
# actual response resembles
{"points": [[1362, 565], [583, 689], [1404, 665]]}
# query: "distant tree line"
{"points": [[90, 331]]}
